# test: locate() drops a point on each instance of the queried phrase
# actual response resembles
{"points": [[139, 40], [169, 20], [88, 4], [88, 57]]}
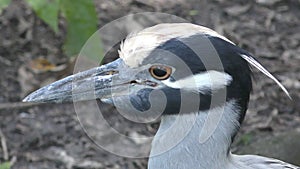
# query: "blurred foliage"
{"points": [[5, 165], [4, 4], [245, 139], [81, 18], [47, 11], [193, 12]]}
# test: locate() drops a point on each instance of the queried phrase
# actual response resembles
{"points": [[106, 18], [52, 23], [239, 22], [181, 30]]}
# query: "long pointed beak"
{"points": [[88, 85]]}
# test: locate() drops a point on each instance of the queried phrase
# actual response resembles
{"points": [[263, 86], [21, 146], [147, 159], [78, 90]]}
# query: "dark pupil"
{"points": [[159, 72]]}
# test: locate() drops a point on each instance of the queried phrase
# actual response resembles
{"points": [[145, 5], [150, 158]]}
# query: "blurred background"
{"points": [[38, 46]]}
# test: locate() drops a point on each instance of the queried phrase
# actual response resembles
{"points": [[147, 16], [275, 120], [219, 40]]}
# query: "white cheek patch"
{"points": [[202, 82]]}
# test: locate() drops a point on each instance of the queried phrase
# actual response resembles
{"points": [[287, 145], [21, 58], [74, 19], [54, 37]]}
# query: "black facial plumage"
{"points": [[199, 53]]}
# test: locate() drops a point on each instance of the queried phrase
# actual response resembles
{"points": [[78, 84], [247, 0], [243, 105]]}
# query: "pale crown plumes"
{"points": [[257, 65], [137, 46]]}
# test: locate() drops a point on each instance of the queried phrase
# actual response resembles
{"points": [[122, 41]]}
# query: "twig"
{"points": [[17, 105], [13, 160], [4, 146], [5, 61]]}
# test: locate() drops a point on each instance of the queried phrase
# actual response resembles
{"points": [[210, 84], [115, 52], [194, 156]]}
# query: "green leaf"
{"points": [[5, 165], [47, 10], [81, 20], [245, 139], [193, 12], [3, 4], [92, 49]]}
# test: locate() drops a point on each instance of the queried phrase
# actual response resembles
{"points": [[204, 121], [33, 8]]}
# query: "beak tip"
{"points": [[26, 99], [35, 97], [30, 98]]}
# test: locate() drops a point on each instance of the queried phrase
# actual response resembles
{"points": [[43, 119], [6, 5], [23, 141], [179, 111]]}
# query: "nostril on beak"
{"points": [[134, 82], [143, 82]]}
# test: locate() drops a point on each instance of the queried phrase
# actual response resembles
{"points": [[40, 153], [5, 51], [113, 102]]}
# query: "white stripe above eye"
{"points": [[202, 82], [257, 65]]}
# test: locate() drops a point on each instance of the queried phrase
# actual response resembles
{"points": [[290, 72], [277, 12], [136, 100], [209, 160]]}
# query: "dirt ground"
{"points": [[50, 136]]}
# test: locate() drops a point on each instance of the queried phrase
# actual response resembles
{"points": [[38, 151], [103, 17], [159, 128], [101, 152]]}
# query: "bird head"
{"points": [[162, 69]]}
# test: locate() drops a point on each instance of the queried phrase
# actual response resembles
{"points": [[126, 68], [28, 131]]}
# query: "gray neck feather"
{"points": [[177, 143]]}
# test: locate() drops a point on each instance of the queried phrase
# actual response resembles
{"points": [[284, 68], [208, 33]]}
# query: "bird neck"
{"points": [[184, 141]]}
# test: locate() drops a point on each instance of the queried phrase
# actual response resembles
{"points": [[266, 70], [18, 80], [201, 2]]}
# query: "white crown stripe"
{"points": [[138, 45]]}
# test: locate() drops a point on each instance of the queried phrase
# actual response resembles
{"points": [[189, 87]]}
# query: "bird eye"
{"points": [[160, 72]]}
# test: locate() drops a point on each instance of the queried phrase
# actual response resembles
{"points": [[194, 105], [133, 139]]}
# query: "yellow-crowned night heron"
{"points": [[192, 65]]}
